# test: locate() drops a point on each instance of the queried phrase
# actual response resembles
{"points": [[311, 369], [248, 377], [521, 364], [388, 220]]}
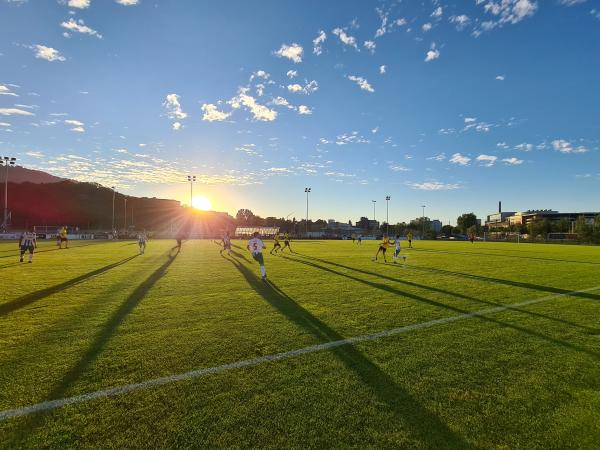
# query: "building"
{"points": [[436, 226], [524, 218], [339, 229], [499, 219]]}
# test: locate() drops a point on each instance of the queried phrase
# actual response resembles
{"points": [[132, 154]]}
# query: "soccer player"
{"points": [[277, 245], [359, 240], [256, 246], [286, 243], [472, 237], [28, 242], [142, 238], [397, 248], [353, 238], [383, 247], [63, 237], [226, 241], [409, 237]]}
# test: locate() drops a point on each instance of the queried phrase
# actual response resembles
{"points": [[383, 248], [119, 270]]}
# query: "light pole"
{"points": [[307, 190], [423, 222], [387, 214], [7, 161], [191, 179], [374, 202], [113, 209]]}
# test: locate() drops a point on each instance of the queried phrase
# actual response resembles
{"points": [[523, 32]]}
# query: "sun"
{"points": [[202, 203]]}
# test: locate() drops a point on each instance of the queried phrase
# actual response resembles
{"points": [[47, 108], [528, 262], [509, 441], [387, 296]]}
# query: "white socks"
{"points": [[263, 271]]}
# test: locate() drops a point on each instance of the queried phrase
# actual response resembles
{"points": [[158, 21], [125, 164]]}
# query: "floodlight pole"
{"points": [[387, 214], [374, 202], [307, 190], [7, 161], [113, 209], [423, 222], [191, 179]]}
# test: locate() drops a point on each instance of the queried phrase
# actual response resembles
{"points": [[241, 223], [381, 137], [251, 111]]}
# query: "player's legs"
{"points": [[22, 251], [384, 250], [258, 257], [378, 252], [31, 253]]}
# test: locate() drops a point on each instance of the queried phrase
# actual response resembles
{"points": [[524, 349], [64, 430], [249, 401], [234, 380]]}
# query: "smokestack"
{"points": [[500, 207]]}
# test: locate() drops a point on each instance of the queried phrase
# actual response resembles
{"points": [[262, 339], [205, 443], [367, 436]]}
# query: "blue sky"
{"points": [[450, 105]]}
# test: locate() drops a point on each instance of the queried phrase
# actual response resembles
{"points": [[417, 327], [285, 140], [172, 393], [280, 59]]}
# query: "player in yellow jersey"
{"points": [[383, 247], [277, 245], [286, 243], [63, 237]]}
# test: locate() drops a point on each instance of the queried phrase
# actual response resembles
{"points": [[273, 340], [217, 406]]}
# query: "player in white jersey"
{"points": [[397, 249], [256, 246], [28, 242], [142, 238]]}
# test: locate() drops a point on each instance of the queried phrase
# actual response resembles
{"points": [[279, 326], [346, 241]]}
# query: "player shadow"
{"points": [[589, 330], [238, 255], [420, 299], [33, 297], [537, 258], [423, 424], [55, 249], [101, 339]]}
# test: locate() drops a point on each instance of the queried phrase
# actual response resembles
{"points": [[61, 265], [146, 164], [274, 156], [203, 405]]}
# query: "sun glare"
{"points": [[202, 203]]}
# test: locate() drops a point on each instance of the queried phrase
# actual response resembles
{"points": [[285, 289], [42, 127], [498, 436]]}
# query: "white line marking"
{"points": [[118, 390]]}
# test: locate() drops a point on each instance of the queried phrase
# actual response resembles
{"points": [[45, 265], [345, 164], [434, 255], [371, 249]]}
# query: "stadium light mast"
{"points": [[307, 190], [423, 221], [387, 214], [7, 161], [113, 208], [374, 203], [191, 179]]}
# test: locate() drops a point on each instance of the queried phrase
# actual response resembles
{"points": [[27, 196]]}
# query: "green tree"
{"points": [[466, 221]]}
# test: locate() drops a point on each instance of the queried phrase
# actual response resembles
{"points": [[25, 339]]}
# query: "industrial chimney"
{"points": [[499, 206]]}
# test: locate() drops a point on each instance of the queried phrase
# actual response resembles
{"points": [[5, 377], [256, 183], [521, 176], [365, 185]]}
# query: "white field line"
{"points": [[118, 390]]}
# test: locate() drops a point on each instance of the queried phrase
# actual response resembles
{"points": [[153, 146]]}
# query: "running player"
{"points": [[383, 248], [226, 241], [256, 246], [28, 242], [472, 237], [63, 237], [397, 248], [142, 238], [359, 240], [286, 243], [353, 238], [277, 245], [409, 237]]}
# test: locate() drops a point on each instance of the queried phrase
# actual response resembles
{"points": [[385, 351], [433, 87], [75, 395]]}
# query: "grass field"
{"points": [[98, 316]]}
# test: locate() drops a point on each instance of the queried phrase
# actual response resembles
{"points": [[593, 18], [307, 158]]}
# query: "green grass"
{"points": [[98, 316]]}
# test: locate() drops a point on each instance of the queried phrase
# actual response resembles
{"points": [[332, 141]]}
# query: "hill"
{"points": [[20, 174]]}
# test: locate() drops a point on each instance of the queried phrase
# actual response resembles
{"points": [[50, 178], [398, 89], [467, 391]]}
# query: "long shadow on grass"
{"points": [[423, 424], [427, 301], [536, 258], [28, 299], [456, 294], [16, 251], [101, 339]]}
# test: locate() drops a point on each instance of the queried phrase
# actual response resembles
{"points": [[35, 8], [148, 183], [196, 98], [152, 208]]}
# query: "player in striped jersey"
{"points": [[28, 242]]}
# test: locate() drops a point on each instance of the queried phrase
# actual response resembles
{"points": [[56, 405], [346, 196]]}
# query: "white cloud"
{"points": [[432, 54], [512, 161], [438, 157], [500, 77], [375, 130], [127, 2], [370, 45], [305, 110], [292, 74], [437, 12], [459, 159], [260, 112], [294, 87], [362, 83], [280, 101], [470, 119], [81, 4], [382, 70], [595, 13], [260, 74], [212, 113], [426, 27], [75, 123], [80, 27], [307, 89], [173, 106], [563, 146], [78, 129], [47, 53], [398, 168], [177, 126], [293, 52], [505, 12], [487, 160], [572, 2], [14, 112], [345, 38], [524, 147], [350, 138], [35, 154], [4, 90], [318, 43], [433, 186], [4, 124], [461, 21]]}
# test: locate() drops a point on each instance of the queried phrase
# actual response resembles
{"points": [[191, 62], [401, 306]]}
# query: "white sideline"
{"points": [[118, 390]]}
